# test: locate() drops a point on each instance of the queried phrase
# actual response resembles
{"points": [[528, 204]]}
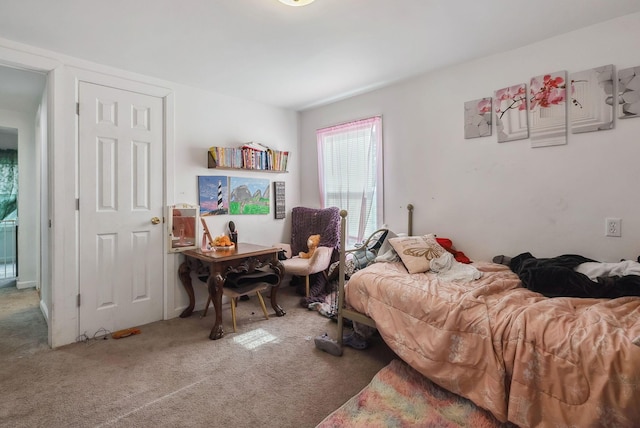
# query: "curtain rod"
{"points": [[349, 122]]}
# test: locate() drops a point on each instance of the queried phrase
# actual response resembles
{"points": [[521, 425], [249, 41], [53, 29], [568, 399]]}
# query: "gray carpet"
{"points": [[8, 283], [172, 375]]}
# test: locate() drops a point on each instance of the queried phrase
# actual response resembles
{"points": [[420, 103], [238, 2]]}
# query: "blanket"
{"points": [[536, 361]]}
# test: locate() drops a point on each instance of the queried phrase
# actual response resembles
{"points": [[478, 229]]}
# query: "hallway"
{"points": [[23, 330]]}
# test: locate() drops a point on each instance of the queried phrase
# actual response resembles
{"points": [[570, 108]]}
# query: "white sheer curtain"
{"points": [[350, 173]]}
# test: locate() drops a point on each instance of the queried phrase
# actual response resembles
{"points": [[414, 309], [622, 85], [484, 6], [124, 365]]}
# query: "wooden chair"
{"points": [[234, 293]]}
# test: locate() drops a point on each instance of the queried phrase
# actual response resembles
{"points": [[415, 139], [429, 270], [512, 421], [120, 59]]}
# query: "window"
{"points": [[350, 174], [8, 183]]}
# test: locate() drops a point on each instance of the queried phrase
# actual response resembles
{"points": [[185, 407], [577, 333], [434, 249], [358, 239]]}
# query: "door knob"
{"points": [[155, 220]]}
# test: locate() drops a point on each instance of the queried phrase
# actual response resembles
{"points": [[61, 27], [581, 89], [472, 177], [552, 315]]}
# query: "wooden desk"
{"points": [[244, 258]]}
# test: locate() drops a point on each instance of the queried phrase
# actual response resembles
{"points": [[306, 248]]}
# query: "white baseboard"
{"points": [[26, 284]]}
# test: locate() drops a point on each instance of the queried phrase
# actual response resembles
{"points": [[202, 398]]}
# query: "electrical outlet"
{"points": [[613, 226]]}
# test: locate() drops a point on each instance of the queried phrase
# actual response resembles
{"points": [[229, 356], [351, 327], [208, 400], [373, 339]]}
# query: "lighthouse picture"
{"points": [[213, 193]]}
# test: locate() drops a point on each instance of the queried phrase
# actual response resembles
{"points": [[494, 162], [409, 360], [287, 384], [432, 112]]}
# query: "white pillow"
{"points": [[416, 252]]}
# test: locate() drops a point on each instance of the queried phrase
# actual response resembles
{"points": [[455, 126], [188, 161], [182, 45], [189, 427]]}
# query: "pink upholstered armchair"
{"points": [[306, 222], [319, 262]]}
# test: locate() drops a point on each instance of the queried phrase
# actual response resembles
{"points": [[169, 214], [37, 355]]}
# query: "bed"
{"points": [[529, 359]]}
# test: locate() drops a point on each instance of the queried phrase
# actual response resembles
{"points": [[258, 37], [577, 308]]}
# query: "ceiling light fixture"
{"points": [[296, 2]]}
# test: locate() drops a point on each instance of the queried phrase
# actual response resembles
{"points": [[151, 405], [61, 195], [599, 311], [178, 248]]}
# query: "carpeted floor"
{"points": [[399, 396], [23, 329], [269, 373]]}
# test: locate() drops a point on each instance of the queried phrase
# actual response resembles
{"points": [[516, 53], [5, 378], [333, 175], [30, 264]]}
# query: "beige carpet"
{"points": [[172, 375]]}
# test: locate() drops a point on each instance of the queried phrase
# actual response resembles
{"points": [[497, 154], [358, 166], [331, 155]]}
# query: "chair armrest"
{"points": [[321, 259], [317, 263]]}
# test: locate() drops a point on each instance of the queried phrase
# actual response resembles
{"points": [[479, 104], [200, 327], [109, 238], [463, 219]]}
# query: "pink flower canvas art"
{"points": [[511, 113], [548, 109], [477, 118]]}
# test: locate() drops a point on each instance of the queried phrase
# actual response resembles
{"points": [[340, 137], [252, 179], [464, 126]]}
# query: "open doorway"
{"points": [[22, 188]]}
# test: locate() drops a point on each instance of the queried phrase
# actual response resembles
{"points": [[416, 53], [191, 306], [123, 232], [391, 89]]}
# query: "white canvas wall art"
{"points": [[592, 99]]}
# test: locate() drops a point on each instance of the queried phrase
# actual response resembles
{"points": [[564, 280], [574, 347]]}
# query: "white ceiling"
{"points": [[20, 90], [292, 57]]}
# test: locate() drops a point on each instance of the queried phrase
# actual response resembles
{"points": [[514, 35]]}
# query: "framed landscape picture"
{"points": [[249, 195]]}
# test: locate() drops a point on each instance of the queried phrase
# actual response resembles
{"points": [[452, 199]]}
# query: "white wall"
{"points": [[8, 141], [505, 198], [199, 119], [205, 119]]}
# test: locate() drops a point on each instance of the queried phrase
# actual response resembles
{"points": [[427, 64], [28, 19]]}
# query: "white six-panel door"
{"points": [[120, 190]]}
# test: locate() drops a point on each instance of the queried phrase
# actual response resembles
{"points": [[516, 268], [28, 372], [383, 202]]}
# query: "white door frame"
{"points": [[64, 73], [82, 75], [18, 58]]}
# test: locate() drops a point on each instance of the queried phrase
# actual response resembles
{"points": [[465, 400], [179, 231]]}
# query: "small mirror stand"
{"points": [[183, 221]]}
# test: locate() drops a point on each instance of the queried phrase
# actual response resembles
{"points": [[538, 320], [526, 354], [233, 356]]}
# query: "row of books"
{"points": [[250, 156]]}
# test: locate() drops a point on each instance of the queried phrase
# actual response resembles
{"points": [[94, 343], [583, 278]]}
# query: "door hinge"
{"points": [[78, 300], [78, 109], [78, 204]]}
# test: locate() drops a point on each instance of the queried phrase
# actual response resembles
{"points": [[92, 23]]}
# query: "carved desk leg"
{"points": [[184, 273], [215, 284], [278, 268]]}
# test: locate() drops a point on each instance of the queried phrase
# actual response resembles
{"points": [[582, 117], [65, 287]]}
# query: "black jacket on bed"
{"points": [[556, 277]]}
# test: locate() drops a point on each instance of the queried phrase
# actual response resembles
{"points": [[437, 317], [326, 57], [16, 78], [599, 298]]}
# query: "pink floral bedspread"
{"points": [[529, 359]]}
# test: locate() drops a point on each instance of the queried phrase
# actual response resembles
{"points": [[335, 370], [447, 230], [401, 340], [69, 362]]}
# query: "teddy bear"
{"points": [[312, 244]]}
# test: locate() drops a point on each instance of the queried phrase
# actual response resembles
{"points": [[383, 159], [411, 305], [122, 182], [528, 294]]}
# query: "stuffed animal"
{"points": [[312, 244]]}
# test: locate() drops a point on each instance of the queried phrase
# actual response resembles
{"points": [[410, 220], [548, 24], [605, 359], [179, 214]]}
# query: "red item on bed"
{"points": [[447, 244]]}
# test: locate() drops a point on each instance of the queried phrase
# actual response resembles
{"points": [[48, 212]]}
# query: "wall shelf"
{"points": [[247, 159]]}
